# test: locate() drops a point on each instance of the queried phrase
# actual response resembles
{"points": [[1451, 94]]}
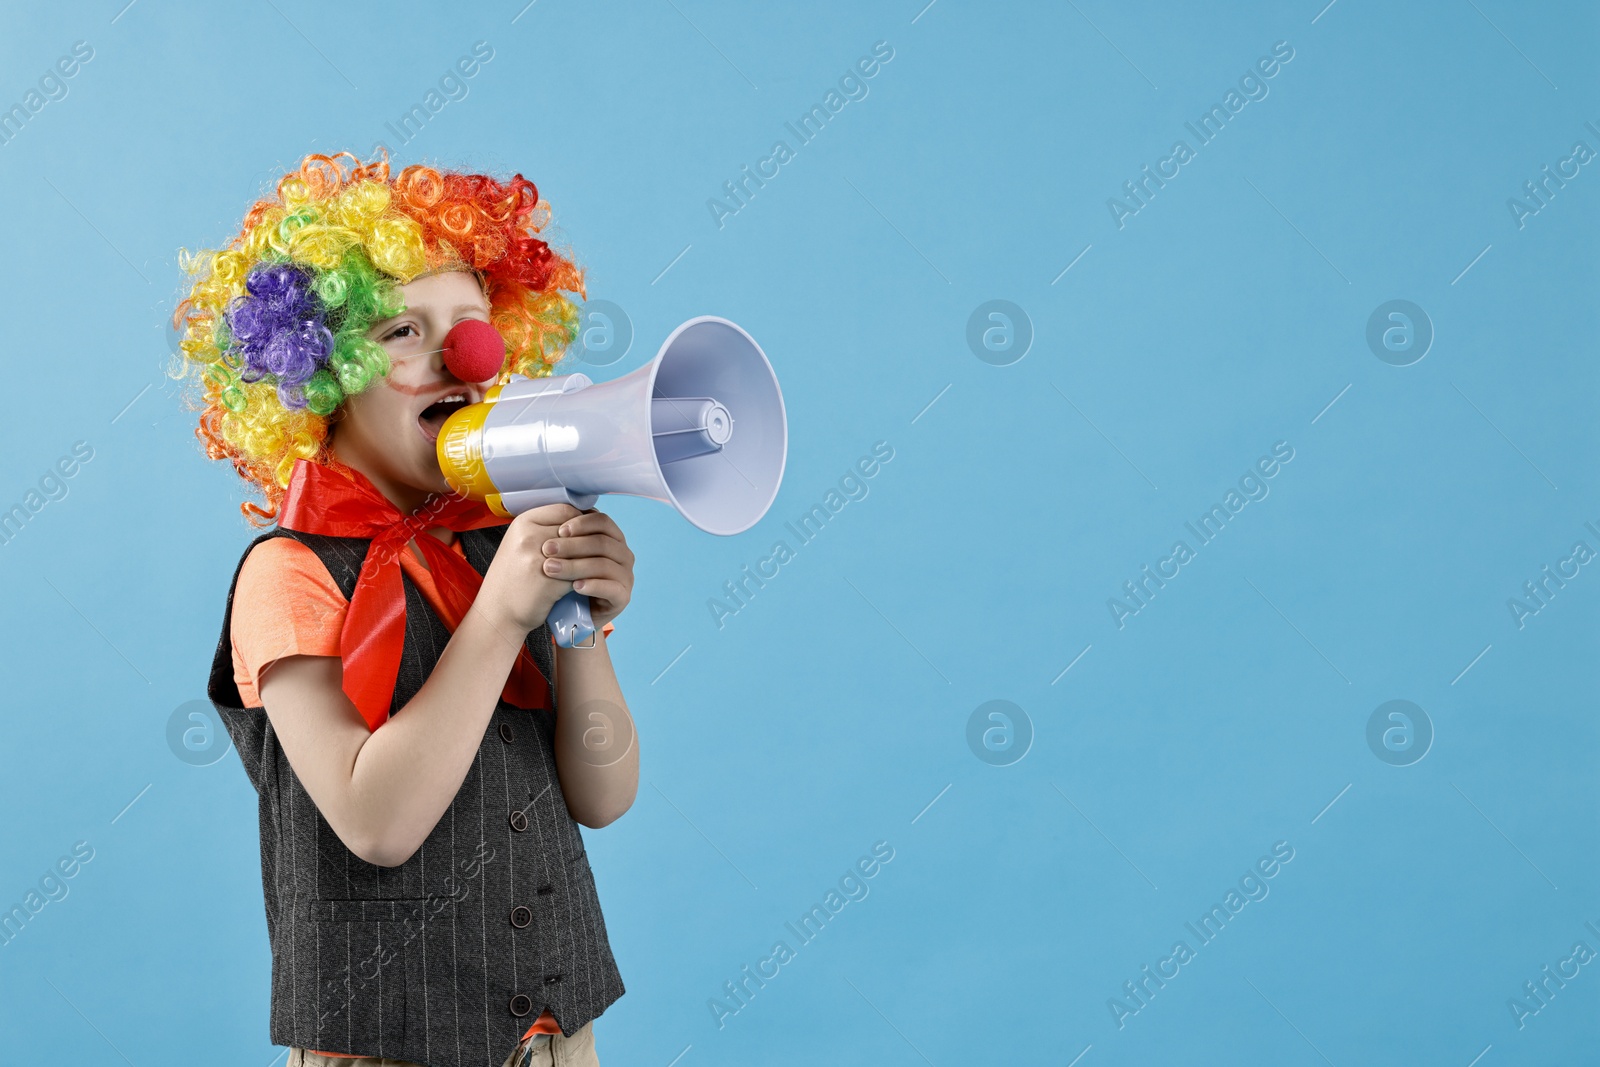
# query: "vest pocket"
{"points": [[582, 890], [401, 910], [362, 980]]}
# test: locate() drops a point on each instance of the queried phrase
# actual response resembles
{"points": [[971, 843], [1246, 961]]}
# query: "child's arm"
{"points": [[383, 791], [597, 748]]}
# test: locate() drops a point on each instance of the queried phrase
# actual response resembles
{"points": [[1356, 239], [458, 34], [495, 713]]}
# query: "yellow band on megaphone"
{"points": [[460, 451]]}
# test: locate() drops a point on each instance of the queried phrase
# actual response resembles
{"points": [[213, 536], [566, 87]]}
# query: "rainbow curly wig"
{"points": [[275, 324]]}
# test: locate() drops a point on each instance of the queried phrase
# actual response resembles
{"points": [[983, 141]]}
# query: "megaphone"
{"points": [[700, 427]]}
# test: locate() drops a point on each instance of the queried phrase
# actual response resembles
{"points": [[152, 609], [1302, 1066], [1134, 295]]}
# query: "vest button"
{"points": [[521, 1005], [519, 821], [507, 734], [521, 916]]}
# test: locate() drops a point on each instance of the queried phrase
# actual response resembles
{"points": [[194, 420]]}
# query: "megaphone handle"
{"points": [[570, 623]]}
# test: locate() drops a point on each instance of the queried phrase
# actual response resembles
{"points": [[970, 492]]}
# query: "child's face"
{"points": [[387, 432]]}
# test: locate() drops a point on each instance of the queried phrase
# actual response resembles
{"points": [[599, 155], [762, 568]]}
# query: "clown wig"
{"points": [[275, 324]]}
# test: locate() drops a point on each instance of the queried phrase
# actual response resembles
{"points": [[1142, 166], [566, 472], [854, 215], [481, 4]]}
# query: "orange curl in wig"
{"points": [[274, 324]]}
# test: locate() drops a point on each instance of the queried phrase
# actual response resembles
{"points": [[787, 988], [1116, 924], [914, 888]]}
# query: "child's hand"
{"points": [[590, 552], [517, 593]]}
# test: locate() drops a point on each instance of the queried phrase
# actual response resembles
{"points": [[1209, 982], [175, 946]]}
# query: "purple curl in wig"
{"points": [[278, 330]]}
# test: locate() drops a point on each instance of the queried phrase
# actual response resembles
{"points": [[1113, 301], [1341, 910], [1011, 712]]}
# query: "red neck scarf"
{"points": [[341, 502]]}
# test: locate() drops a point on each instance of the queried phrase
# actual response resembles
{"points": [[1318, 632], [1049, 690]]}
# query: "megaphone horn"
{"points": [[700, 427]]}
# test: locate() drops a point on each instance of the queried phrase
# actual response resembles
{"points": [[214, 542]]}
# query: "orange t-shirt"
{"points": [[287, 604]]}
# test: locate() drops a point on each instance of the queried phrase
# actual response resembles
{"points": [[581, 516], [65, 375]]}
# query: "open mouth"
{"points": [[434, 415]]}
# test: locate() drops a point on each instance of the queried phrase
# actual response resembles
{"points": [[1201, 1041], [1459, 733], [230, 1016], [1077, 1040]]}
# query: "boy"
{"points": [[384, 668]]}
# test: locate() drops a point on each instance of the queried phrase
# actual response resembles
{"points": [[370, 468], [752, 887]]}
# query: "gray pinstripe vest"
{"points": [[447, 959]]}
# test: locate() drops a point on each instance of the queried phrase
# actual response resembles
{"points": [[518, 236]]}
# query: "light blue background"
{"points": [[828, 713]]}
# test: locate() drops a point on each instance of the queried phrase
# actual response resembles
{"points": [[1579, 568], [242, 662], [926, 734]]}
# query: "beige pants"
{"points": [[540, 1050]]}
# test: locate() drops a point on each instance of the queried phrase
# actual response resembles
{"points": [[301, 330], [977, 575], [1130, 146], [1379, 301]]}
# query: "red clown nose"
{"points": [[474, 351]]}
